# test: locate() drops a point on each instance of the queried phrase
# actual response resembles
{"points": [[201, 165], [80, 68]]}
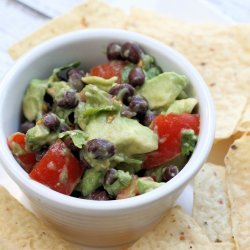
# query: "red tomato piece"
{"points": [[58, 169], [17, 145], [169, 127], [113, 68]]}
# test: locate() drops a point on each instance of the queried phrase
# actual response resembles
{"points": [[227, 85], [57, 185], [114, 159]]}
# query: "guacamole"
{"points": [[114, 131]]}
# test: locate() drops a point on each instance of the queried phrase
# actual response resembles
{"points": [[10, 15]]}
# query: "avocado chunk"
{"points": [[132, 164], [39, 136], [92, 179], [146, 184], [33, 99], [101, 83], [123, 180], [129, 136], [120, 161], [182, 95], [97, 164], [163, 89], [55, 88], [96, 97], [182, 106], [97, 101]]}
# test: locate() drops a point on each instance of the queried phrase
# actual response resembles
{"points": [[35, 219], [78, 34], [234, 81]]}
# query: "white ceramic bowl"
{"points": [[98, 223]]}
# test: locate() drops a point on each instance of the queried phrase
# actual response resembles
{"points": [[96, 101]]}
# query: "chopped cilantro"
{"points": [[78, 137], [188, 141]]}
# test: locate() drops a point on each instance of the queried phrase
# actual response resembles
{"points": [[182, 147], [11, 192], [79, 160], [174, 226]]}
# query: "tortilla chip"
{"points": [[219, 150], [102, 15], [211, 205], [224, 246], [23, 229], [244, 125], [218, 52], [237, 163], [227, 115], [92, 14], [176, 231], [243, 37], [7, 245]]}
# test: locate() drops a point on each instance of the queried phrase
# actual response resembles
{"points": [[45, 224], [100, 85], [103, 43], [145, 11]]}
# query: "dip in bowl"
{"points": [[124, 215]]}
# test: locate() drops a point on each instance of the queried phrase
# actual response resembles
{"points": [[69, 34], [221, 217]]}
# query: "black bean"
{"points": [[122, 91], [131, 52], [114, 51], [99, 195], [63, 74], [169, 172], [70, 144], [136, 77], [138, 104], [100, 149], [148, 118], [51, 121], [110, 176], [69, 100], [75, 79], [26, 126], [41, 153]]}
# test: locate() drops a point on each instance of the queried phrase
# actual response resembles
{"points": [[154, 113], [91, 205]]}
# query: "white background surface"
{"points": [[18, 20]]}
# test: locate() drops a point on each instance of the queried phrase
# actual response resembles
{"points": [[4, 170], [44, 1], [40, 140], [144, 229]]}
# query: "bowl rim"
{"points": [[205, 141]]}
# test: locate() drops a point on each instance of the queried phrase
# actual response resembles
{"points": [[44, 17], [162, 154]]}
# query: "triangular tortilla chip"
{"points": [[237, 163], [176, 231], [211, 207], [23, 229]]}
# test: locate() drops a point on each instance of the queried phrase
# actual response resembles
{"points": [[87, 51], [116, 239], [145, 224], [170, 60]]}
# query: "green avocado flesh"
{"points": [[122, 132], [33, 99], [163, 89]]}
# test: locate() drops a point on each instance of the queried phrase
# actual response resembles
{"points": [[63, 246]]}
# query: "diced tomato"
{"points": [[58, 169], [113, 68], [17, 145], [169, 127]]}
